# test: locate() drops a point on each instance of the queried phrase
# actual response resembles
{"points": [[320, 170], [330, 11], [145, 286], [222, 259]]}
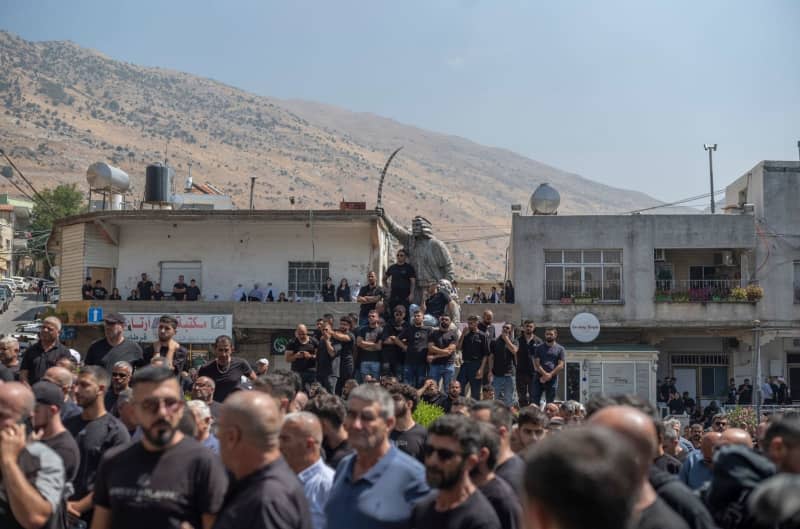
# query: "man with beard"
{"points": [[345, 338], [330, 411], [392, 353], [376, 487], [301, 353], [96, 431], [328, 358], [369, 296], [547, 364], [47, 424], [415, 344], [164, 479], [451, 453], [44, 354], [120, 379], [173, 352], [113, 348], [474, 347], [441, 349], [369, 346], [504, 500], [407, 434], [203, 389], [527, 348], [9, 355], [401, 278], [227, 370], [64, 379], [510, 466]]}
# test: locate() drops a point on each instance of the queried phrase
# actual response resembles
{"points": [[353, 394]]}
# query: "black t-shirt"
{"points": [[99, 293], [660, 516], [504, 360], [67, 449], [400, 275], [346, 351], [489, 329], [328, 365], [504, 501], [369, 334], [411, 440], [94, 439], [269, 498], [87, 292], [192, 293], [302, 365], [145, 289], [228, 380], [527, 350], [102, 354], [417, 340], [178, 359], [343, 294], [667, 463], [179, 296], [442, 339], [436, 304], [328, 293], [160, 489], [512, 470], [158, 295], [438, 399], [367, 290], [392, 354], [334, 455], [474, 346], [549, 355], [36, 361], [474, 513]]}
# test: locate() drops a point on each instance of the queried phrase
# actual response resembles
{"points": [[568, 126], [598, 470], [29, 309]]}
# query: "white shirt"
{"points": [[317, 481]]}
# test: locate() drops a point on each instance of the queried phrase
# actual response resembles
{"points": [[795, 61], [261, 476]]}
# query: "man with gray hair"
{"points": [[120, 381], [43, 354], [202, 417], [64, 379], [377, 486], [9, 355], [266, 493], [301, 442]]}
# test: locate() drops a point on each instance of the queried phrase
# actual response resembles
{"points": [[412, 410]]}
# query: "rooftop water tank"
{"points": [[157, 183], [103, 176], [545, 200]]}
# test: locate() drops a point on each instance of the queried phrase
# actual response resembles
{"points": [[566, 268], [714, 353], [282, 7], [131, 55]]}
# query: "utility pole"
{"points": [[252, 186], [710, 147]]}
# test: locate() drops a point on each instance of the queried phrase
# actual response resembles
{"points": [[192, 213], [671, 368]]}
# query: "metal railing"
{"points": [[694, 290], [605, 291]]}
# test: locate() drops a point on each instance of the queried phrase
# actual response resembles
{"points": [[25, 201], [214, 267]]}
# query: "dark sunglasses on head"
{"points": [[442, 453], [152, 404]]}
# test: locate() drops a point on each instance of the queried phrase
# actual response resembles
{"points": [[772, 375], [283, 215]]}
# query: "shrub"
{"points": [[426, 413]]}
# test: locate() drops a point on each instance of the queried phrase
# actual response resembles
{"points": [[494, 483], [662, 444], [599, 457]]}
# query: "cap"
{"points": [[262, 361], [114, 317], [48, 393]]}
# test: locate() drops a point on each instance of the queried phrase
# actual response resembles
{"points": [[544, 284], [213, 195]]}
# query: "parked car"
{"points": [[21, 282], [5, 301], [5, 287], [55, 294]]}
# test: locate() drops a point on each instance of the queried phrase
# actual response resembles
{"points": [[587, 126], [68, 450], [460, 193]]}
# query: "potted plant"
{"points": [[738, 294], [663, 295], [79, 316], [583, 298], [754, 292], [566, 298], [680, 297]]}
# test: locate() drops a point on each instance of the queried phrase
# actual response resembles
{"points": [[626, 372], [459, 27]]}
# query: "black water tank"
{"points": [[157, 183]]}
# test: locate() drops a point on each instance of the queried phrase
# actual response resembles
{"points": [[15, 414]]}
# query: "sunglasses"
{"points": [[153, 404], [442, 453], [721, 423]]}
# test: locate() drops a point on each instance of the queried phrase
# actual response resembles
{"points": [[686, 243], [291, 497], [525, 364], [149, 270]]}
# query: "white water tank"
{"points": [[545, 200], [104, 176]]}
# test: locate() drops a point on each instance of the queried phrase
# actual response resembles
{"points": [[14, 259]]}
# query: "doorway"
{"points": [[686, 380], [793, 371]]}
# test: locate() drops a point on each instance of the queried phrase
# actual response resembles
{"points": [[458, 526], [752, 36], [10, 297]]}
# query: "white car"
{"points": [[10, 283]]}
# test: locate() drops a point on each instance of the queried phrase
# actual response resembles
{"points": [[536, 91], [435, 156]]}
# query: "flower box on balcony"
{"points": [[566, 301], [583, 300]]}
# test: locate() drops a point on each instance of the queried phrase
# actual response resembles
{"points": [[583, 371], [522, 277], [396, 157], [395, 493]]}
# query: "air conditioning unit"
{"points": [[659, 255], [723, 258]]}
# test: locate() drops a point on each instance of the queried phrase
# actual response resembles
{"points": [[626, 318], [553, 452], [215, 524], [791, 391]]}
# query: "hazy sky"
{"points": [[623, 92]]}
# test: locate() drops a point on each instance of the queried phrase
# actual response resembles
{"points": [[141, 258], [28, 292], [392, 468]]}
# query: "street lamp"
{"points": [[711, 147]]}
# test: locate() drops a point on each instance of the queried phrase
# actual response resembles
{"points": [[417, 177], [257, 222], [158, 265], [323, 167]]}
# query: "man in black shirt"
{"points": [[173, 352], [392, 353], [266, 493], [9, 355], [441, 349], [368, 342], [451, 452], [227, 370], [510, 466], [120, 381], [330, 411], [328, 358], [369, 296], [96, 431], [401, 280], [438, 302], [504, 500], [47, 423], [415, 343], [179, 289], [87, 290], [547, 364], [203, 389], [145, 288], [192, 291], [43, 354], [329, 291], [347, 340], [107, 351], [474, 347], [99, 291], [503, 359], [165, 479], [301, 353], [408, 435], [527, 348]]}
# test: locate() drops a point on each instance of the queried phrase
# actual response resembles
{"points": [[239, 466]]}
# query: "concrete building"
{"points": [[675, 283], [16, 213]]}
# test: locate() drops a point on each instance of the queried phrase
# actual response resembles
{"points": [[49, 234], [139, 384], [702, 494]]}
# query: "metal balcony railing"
{"points": [[698, 290], [606, 291]]}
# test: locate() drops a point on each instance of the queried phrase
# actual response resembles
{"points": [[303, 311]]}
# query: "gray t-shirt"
{"points": [[549, 355], [45, 471]]}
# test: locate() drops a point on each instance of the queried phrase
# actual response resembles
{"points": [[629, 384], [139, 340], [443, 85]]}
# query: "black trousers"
{"points": [[524, 388], [548, 389]]}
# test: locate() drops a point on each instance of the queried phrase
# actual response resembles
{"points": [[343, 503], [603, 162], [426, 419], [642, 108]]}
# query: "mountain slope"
{"points": [[66, 107]]}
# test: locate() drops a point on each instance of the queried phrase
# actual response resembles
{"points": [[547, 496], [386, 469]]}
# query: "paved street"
{"points": [[22, 309]]}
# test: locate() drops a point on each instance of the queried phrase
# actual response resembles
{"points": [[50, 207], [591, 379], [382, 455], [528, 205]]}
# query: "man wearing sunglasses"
{"points": [[114, 347], [451, 453], [120, 380], [165, 479], [401, 279]]}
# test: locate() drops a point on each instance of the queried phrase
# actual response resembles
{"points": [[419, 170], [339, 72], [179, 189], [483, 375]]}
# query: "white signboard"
{"points": [[192, 328], [619, 378], [585, 327]]}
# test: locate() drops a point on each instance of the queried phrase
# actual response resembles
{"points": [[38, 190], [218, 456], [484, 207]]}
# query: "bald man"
{"points": [[301, 440], [301, 353], [64, 379], [267, 494], [736, 436], [31, 474], [696, 470], [650, 511]]}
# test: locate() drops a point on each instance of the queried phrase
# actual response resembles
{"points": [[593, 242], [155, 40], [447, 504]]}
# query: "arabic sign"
{"points": [[585, 327], [192, 328]]}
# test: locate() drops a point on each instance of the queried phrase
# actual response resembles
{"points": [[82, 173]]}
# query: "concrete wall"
{"points": [[637, 236]]}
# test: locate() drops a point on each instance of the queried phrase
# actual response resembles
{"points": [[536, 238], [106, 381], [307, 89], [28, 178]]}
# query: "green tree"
{"points": [[56, 203]]}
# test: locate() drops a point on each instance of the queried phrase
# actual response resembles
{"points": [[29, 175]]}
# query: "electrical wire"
{"points": [[677, 202], [35, 192]]}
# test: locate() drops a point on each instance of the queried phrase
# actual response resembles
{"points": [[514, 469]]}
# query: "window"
{"points": [[306, 277], [797, 281], [595, 274]]}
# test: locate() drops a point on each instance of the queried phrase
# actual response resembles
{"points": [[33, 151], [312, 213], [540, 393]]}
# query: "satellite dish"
{"points": [[545, 200], [55, 271]]}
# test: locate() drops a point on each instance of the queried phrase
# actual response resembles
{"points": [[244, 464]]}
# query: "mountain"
{"points": [[65, 107]]}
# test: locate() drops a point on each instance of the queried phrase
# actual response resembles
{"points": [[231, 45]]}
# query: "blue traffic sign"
{"points": [[68, 333], [95, 314]]}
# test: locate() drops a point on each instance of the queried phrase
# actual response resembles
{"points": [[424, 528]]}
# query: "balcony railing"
{"points": [[797, 293], [701, 291], [583, 292]]}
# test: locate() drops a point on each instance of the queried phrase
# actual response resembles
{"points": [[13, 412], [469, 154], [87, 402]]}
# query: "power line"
{"points": [[677, 202], [35, 192]]}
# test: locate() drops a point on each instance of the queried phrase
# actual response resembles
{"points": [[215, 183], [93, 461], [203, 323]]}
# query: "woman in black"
{"points": [[343, 292], [508, 292], [328, 291], [115, 294]]}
